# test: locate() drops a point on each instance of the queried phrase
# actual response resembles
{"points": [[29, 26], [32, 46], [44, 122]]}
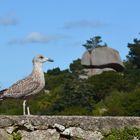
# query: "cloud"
{"points": [[36, 37], [83, 24], [8, 21]]}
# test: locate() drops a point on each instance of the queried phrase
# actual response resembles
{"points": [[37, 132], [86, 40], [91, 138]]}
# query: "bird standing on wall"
{"points": [[28, 86]]}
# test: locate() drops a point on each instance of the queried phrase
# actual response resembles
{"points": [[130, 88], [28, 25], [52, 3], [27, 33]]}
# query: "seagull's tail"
{"points": [[2, 94]]}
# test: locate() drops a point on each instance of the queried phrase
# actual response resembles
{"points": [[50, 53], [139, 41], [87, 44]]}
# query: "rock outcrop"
{"points": [[61, 127], [101, 59]]}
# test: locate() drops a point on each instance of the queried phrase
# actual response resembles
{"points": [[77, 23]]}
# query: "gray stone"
{"points": [[59, 127], [76, 132], [61, 138], [29, 126], [67, 132], [11, 129], [5, 121], [50, 134], [97, 135], [84, 127], [84, 122], [101, 58], [4, 135], [95, 71]]}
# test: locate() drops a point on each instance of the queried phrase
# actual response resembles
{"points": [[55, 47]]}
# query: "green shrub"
{"points": [[122, 134], [120, 104], [16, 136]]}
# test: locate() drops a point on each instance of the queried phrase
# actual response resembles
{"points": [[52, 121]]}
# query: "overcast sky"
{"points": [[58, 28]]}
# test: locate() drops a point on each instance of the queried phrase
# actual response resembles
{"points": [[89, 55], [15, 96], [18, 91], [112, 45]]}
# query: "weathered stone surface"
{"points": [[96, 71], [84, 122], [59, 127], [5, 121], [63, 138], [102, 57], [77, 132], [10, 129], [4, 135], [50, 134], [62, 127], [97, 135]]}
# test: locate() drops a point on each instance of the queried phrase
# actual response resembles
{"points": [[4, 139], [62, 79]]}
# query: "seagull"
{"points": [[30, 85]]}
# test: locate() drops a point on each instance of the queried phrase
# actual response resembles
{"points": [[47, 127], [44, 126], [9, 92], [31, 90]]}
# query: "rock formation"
{"points": [[101, 59]]}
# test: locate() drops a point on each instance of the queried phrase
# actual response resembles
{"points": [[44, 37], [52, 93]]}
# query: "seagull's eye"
{"points": [[41, 57]]}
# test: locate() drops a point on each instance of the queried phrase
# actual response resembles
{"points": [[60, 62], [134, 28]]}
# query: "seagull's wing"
{"points": [[22, 88]]}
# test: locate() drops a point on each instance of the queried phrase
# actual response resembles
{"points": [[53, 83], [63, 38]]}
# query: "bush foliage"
{"points": [[122, 134]]}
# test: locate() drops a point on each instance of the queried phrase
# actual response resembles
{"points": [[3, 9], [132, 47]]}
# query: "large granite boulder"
{"points": [[102, 57]]}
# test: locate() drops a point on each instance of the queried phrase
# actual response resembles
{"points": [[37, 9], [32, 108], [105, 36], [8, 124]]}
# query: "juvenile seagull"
{"points": [[28, 86]]}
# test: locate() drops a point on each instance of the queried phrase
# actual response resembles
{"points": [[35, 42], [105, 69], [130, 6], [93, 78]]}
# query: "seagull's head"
{"points": [[41, 59]]}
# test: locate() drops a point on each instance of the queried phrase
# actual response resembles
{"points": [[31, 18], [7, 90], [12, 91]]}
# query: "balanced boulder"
{"points": [[102, 59]]}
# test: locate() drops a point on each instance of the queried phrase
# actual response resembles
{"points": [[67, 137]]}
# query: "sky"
{"points": [[58, 28]]}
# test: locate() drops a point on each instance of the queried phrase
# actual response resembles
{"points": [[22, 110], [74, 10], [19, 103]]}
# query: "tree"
{"points": [[76, 98], [94, 42], [76, 68], [134, 54]]}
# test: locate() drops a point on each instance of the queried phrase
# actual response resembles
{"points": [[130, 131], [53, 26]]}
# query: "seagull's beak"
{"points": [[50, 60]]}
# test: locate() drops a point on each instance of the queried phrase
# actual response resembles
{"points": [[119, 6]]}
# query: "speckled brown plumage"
{"points": [[30, 85]]}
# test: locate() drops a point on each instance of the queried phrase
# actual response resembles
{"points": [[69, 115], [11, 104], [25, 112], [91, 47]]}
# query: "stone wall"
{"points": [[61, 127]]}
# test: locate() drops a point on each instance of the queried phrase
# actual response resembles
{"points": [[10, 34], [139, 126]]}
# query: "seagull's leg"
{"points": [[24, 105], [28, 110]]}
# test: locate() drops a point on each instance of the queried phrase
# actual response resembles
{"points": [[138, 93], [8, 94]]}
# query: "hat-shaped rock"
{"points": [[102, 57]]}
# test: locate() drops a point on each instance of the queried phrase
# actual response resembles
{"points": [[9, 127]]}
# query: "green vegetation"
{"points": [[122, 134], [94, 42], [16, 136], [109, 93], [134, 53]]}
